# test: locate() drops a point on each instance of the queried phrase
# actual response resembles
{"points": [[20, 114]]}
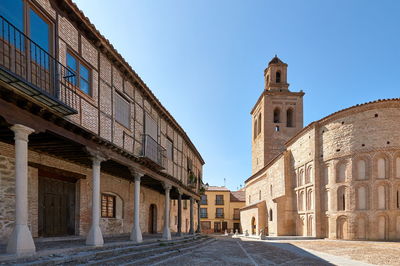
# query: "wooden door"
{"points": [[224, 226], [56, 207], [253, 226], [217, 227], [153, 219], [236, 226]]}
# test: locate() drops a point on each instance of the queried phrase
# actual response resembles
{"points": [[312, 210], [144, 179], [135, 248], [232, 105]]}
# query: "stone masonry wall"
{"points": [[122, 188]]}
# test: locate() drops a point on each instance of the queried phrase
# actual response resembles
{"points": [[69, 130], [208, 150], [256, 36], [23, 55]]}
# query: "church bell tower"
{"points": [[276, 117]]}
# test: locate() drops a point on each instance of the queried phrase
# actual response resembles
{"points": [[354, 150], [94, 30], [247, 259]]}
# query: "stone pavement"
{"points": [[236, 251], [54, 245]]}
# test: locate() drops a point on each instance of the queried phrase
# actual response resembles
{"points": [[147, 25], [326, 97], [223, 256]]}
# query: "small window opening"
{"points": [[278, 77], [277, 115], [343, 202], [277, 128], [289, 117]]}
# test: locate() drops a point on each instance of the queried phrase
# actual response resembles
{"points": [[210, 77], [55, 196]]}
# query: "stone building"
{"points": [[220, 210], [85, 147], [337, 178]]}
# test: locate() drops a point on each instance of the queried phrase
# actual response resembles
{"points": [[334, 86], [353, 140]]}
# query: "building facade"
{"points": [[220, 210], [85, 147], [337, 178]]}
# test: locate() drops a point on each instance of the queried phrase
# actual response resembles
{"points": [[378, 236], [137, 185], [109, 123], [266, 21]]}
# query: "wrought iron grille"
{"points": [[32, 70]]}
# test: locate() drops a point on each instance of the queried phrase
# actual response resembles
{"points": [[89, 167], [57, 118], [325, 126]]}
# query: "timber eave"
{"points": [[16, 109]]}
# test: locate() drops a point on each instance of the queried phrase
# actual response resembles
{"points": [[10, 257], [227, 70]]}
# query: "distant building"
{"points": [[220, 210], [337, 178]]}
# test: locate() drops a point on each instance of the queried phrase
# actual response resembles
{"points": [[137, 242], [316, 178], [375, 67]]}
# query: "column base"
{"points": [[95, 237], [191, 231], [21, 241], [136, 235], [166, 234], [179, 234]]}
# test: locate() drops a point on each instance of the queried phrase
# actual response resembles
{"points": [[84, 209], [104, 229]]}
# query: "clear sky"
{"points": [[204, 59]]}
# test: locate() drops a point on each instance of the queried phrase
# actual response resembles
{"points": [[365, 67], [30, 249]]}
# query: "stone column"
{"points": [[198, 218], [21, 241], [136, 234], [179, 233], [95, 237], [191, 230], [166, 232]]}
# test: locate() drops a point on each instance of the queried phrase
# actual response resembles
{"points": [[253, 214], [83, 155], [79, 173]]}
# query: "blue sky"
{"points": [[205, 60]]}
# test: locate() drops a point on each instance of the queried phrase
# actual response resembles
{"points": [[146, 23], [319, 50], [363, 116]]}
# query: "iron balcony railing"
{"points": [[33, 71], [203, 202], [153, 151], [236, 217], [219, 215], [203, 215], [219, 202]]}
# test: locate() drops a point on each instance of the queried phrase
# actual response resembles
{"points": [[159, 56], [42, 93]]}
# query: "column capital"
{"points": [[21, 132], [136, 174], [97, 156], [180, 192], [167, 186]]}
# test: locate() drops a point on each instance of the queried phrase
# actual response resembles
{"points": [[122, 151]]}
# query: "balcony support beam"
{"points": [[198, 218], [167, 232], [136, 233], [191, 230], [21, 241], [179, 229], [95, 237]]}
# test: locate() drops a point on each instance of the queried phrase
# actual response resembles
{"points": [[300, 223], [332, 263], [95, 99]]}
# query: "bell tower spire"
{"points": [[276, 75], [277, 115]]}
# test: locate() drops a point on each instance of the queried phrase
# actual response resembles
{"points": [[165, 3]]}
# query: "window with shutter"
{"points": [[151, 127], [170, 150], [122, 110], [107, 206]]}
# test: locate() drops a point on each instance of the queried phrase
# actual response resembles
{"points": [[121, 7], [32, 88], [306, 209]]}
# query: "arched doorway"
{"points": [[253, 226], [342, 228], [153, 219]]}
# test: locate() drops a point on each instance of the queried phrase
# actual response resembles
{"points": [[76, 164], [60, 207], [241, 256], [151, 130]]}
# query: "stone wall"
{"points": [[7, 198], [343, 176], [267, 188], [122, 188]]}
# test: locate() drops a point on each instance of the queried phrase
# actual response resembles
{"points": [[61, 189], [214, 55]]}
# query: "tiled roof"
{"points": [[342, 111], [275, 60], [322, 120], [79, 15], [238, 196], [216, 188]]}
